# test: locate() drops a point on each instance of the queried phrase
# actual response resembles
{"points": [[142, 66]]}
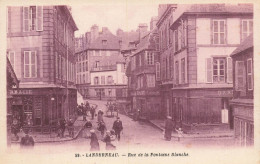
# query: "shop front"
{"points": [[148, 103], [203, 109], [40, 108]]}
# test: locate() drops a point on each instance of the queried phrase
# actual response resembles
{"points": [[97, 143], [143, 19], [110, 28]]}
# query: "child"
{"points": [[180, 133]]}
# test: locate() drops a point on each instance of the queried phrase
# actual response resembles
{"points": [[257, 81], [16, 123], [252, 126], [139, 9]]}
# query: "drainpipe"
{"points": [[67, 55]]}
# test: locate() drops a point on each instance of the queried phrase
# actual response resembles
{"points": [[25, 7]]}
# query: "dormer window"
{"points": [[104, 42]]}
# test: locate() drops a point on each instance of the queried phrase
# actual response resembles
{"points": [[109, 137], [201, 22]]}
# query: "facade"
{"points": [[143, 88], [165, 19], [204, 36], [40, 46], [101, 68], [243, 89]]}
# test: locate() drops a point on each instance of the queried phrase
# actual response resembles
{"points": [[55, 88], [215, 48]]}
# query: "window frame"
{"points": [[248, 28], [249, 74], [30, 65], [218, 32], [219, 69]]}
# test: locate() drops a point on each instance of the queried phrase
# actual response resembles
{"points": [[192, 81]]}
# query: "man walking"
{"points": [[168, 128], [118, 127], [27, 140]]}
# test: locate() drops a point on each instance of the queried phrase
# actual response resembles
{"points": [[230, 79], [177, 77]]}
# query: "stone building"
{"points": [[243, 89], [204, 36], [40, 46], [144, 93], [165, 19], [101, 67]]}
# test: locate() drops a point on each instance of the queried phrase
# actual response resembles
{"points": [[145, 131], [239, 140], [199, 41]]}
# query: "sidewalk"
{"points": [[199, 134], [52, 137]]}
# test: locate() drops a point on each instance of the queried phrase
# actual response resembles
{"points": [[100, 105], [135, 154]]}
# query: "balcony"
{"points": [[103, 68]]}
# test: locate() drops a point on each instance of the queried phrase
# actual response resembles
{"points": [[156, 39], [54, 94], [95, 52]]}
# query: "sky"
{"points": [[127, 17]]}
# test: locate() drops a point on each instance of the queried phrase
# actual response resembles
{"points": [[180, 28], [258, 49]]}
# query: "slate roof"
{"points": [[246, 44], [112, 42], [211, 9]]}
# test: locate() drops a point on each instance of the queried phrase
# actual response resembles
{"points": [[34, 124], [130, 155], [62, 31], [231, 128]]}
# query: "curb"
{"points": [[176, 136], [70, 139]]}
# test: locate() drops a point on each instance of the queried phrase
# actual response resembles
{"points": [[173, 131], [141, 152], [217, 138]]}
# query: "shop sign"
{"points": [[21, 92], [227, 93]]}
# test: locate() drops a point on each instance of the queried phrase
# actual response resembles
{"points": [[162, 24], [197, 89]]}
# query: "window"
{"points": [[158, 71], [79, 67], [103, 80], [60, 66], [219, 70], [83, 79], [83, 67], [133, 62], [96, 53], [247, 28], [150, 80], [57, 65], [177, 72], [11, 57], [183, 70], [97, 64], [32, 18], [96, 80], [150, 58], [86, 65], [108, 53], [110, 80], [175, 40], [104, 42], [240, 76], [218, 31], [103, 53], [249, 74], [30, 63]]}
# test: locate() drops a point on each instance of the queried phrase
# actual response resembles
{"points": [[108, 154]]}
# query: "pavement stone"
{"points": [[160, 125]]}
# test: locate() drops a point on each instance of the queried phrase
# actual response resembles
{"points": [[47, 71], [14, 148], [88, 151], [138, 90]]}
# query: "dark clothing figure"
{"points": [[109, 145], [92, 112], [27, 141], [61, 128], [15, 128], [118, 127], [168, 129], [70, 128], [102, 127], [94, 145]]}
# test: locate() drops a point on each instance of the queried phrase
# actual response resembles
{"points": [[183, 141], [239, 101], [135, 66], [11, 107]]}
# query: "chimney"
{"points": [[94, 32], [105, 30], [153, 22], [119, 32], [142, 28]]}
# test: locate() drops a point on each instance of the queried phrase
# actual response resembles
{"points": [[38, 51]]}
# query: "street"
{"points": [[135, 136]]}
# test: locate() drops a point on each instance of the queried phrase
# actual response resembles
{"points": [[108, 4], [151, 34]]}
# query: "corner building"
{"points": [[204, 37], [40, 47]]}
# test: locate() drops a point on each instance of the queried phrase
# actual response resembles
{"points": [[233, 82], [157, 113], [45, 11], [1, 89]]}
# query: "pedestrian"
{"points": [[100, 116], [15, 129], [70, 128], [27, 140], [107, 140], [87, 126], [180, 133], [92, 112], [168, 128], [102, 127], [118, 127], [63, 127], [94, 144]]}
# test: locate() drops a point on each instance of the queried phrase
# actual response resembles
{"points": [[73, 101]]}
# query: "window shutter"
{"points": [[25, 19], [209, 75], [229, 70], [211, 29], [157, 71], [26, 63], [240, 76]]}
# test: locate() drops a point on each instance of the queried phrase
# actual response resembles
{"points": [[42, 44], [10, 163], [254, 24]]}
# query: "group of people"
{"points": [[108, 137], [84, 109], [62, 124], [169, 127]]}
